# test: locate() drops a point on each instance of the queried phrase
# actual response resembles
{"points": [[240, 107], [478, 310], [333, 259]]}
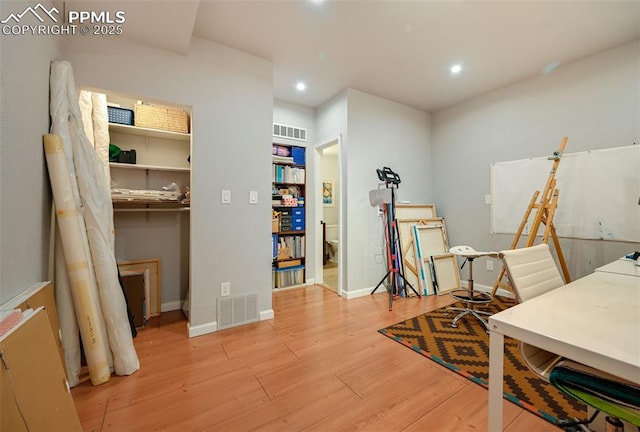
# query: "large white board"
{"points": [[598, 193]]}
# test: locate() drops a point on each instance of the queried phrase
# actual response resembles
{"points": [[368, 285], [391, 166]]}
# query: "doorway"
{"points": [[329, 211]]}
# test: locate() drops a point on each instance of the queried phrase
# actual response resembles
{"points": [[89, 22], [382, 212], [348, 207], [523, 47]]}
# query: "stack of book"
{"points": [[294, 243], [282, 159], [287, 174]]}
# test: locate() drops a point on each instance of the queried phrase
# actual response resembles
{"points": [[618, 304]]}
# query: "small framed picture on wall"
{"points": [[328, 193]]}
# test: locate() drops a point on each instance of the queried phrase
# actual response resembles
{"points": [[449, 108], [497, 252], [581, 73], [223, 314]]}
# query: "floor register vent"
{"points": [[290, 132], [233, 311]]}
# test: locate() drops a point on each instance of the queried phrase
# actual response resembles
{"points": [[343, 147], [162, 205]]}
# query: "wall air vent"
{"points": [[233, 311], [289, 132]]}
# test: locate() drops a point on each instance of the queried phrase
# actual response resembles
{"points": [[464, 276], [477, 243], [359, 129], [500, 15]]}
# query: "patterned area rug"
{"points": [[465, 350]]}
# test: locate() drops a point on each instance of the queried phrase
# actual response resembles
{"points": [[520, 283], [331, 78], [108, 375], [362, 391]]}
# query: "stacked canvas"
{"points": [[425, 249]]}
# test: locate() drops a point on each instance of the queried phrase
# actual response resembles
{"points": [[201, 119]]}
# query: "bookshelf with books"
{"points": [[288, 223]]}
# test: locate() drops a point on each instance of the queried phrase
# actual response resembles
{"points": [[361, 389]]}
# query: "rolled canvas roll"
{"points": [[83, 289], [92, 189], [85, 102], [101, 137], [66, 315]]}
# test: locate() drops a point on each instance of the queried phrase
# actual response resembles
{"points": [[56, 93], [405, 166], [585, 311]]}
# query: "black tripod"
{"points": [[394, 248]]}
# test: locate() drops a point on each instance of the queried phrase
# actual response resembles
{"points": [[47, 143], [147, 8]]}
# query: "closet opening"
{"points": [[328, 205], [148, 164]]}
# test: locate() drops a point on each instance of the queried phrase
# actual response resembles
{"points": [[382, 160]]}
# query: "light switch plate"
{"points": [[253, 197], [225, 289], [225, 196]]}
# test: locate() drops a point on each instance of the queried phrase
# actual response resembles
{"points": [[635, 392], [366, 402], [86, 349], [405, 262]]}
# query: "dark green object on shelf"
{"points": [[114, 151]]}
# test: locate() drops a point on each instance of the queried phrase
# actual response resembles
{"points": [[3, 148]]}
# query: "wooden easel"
{"points": [[545, 210]]}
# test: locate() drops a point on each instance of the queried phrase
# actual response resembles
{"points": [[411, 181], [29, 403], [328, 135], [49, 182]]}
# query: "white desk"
{"points": [[594, 320], [621, 266]]}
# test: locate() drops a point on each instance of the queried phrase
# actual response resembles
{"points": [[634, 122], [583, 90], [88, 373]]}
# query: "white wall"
{"points": [[163, 235], [331, 119], [380, 133], [25, 197], [331, 122], [291, 114], [231, 94], [594, 102]]}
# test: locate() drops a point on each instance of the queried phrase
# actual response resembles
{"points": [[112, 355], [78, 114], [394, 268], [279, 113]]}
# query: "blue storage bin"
{"points": [[285, 277], [120, 115], [298, 155]]}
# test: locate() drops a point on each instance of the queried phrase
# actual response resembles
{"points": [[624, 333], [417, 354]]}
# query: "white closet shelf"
{"points": [[147, 167], [120, 205], [155, 133], [130, 210]]}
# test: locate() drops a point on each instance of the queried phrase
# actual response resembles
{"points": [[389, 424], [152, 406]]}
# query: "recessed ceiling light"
{"points": [[456, 69], [301, 86]]}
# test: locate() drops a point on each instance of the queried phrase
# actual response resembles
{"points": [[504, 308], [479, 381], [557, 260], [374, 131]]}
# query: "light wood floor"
{"points": [[330, 276], [319, 365]]}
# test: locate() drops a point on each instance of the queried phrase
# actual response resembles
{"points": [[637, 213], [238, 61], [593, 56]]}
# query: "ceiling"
{"points": [[398, 50]]}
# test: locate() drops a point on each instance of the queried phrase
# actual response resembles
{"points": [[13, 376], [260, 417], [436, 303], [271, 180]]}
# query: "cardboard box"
{"points": [[161, 117], [291, 263]]}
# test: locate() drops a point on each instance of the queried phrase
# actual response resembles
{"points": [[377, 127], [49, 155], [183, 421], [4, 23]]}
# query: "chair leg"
{"points": [[468, 311], [464, 312], [470, 301], [613, 424], [574, 425], [481, 319]]}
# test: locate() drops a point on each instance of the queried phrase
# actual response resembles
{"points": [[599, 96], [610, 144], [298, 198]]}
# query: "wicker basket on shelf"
{"points": [[161, 117]]}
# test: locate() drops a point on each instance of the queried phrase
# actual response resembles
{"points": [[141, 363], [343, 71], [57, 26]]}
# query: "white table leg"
{"points": [[496, 371]]}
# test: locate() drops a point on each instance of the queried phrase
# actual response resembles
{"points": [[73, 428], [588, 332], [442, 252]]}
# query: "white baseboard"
{"points": [[170, 306], [367, 291], [202, 329], [362, 292], [488, 289], [212, 327], [266, 314], [269, 313]]}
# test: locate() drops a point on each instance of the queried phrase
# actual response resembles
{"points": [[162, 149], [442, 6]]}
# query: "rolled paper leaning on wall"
{"points": [[83, 290]]}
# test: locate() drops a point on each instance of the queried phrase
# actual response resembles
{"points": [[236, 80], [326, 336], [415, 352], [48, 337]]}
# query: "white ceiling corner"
{"points": [[164, 24], [400, 50]]}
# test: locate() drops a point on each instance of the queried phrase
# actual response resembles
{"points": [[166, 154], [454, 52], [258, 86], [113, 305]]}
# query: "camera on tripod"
{"points": [[387, 176], [394, 281], [379, 197]]}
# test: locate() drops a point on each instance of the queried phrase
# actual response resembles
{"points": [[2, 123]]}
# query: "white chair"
{"points": [[532, 271]]}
